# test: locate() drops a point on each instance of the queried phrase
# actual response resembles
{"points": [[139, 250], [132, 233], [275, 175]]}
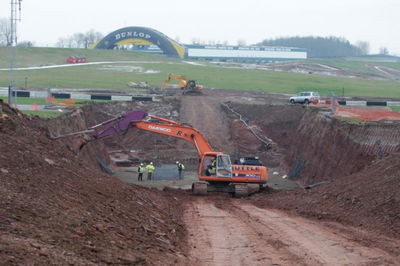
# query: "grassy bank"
{"points": [[127, 66]]}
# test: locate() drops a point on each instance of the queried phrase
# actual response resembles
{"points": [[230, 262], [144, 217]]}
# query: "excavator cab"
{"points": [[217, 166], [224, 166]]}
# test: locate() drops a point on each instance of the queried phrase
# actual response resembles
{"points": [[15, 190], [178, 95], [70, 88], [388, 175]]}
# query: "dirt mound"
{"points": [[56, 209]]}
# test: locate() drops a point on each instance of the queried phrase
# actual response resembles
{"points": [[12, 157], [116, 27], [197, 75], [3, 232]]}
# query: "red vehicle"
{"points": [[76, 59]]}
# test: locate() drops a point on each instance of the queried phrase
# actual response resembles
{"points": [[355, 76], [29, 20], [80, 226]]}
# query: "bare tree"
{"points": [[363, 46], [70, 42], [384, 50], [79, 40], [5, 32], [62, 43], [25, 44], [91, 37]]}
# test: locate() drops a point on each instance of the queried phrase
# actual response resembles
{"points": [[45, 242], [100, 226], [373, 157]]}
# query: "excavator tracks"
{"points": [[199, 188], [237, 190], [241, 190]]}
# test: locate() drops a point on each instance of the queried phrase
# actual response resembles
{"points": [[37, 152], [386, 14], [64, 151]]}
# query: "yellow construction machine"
{"points": [[187, 86]]}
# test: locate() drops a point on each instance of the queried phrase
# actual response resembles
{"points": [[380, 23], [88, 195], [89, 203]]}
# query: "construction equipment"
{"points": [[187, 86], [218, 176]]}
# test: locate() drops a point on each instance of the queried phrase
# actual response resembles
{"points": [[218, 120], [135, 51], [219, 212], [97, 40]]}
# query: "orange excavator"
{"points": [[187, 86], [215, 171]]}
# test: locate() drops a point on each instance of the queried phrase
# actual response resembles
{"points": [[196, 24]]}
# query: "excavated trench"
{"points": [[309, 146], [58, 208], [355, 166]]}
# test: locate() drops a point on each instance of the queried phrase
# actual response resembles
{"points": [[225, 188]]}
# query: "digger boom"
{"points": [[232, 178]]}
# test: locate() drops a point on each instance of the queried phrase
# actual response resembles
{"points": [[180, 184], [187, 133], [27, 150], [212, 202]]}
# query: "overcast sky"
{"points": [[374, 21]]}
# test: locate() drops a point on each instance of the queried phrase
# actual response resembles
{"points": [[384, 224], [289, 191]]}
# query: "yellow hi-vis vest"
{"points": [[140, 169], [150, 168]]}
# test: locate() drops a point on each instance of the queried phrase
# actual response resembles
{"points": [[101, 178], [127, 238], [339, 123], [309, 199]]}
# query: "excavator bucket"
{"points": [[123, 123]]}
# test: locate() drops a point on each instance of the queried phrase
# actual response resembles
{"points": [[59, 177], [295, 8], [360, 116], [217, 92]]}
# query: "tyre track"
{"points": [[233, 232]]}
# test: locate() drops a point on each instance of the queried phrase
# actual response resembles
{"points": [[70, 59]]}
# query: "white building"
{"points": [[246, 54]]}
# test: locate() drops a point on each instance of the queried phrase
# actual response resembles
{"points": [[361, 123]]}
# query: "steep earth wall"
{"points": [[315, 147], [328, 148]]}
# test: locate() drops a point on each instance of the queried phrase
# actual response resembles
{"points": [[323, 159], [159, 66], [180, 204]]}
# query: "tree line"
{"points": [[321, 47], [80, 39], [324, 47], [76, 40]]}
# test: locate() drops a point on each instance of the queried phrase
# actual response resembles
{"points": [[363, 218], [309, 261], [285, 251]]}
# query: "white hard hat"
{"points": [[177, 161], [151, 162], [141, 164]]}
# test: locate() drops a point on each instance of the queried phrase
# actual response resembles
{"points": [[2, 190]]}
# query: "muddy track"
{"points": [[237, 233]]}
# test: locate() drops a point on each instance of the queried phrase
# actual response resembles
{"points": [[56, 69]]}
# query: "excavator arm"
{"points": [[141, 120], [225, 172], [165, 127], [183, 81]]}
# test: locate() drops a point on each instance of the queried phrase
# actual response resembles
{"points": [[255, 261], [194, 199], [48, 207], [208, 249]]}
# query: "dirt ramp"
{"points": [[206, 115]]}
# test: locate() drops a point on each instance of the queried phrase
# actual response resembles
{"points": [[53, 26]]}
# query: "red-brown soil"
{"points": [[59, 208], [56, 209], [364, 185], [235, 232]]}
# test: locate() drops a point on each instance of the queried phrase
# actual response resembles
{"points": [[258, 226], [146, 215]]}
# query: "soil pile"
{"points": [[56, 209]]}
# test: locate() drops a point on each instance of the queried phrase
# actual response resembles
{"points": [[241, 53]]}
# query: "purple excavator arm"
{"points": [[120, 124]]}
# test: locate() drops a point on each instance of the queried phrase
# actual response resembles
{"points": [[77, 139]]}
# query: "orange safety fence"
{"points": [[321, 103], [68, 102]]}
